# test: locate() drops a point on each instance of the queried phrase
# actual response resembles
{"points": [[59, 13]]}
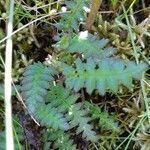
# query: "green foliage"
{"points": [[70, 21], [36, 81], [87, 66], [61, 140], [65, 102], [57, 107], [34, 89], [49, 116], [92, 67], [86, 44], [105, 120], [102, 75], [35, 84]]}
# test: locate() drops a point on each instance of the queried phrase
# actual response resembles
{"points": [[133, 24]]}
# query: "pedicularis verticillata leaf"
{"points": [[70, 20], [56, 106], [106, 74], [35, 84], [62, 140], [86, 44], [105, 120], [65, 102], [50, 116], [90, 46]]}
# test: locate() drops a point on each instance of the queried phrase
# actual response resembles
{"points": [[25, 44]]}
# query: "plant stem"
{"points": [[8, 79], [92, 15]]}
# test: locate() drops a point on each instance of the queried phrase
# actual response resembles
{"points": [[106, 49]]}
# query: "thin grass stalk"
{"points": [[30, 23], [8, 79], [137, 61]]}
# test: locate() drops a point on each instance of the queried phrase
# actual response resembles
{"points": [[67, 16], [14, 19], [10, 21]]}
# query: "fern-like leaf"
{"points": [[65, 101], [70, 21], [61, 140], [86, 44], [77, 118], [105, 120], [35, 84], [50, 116], [106, 74]]}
